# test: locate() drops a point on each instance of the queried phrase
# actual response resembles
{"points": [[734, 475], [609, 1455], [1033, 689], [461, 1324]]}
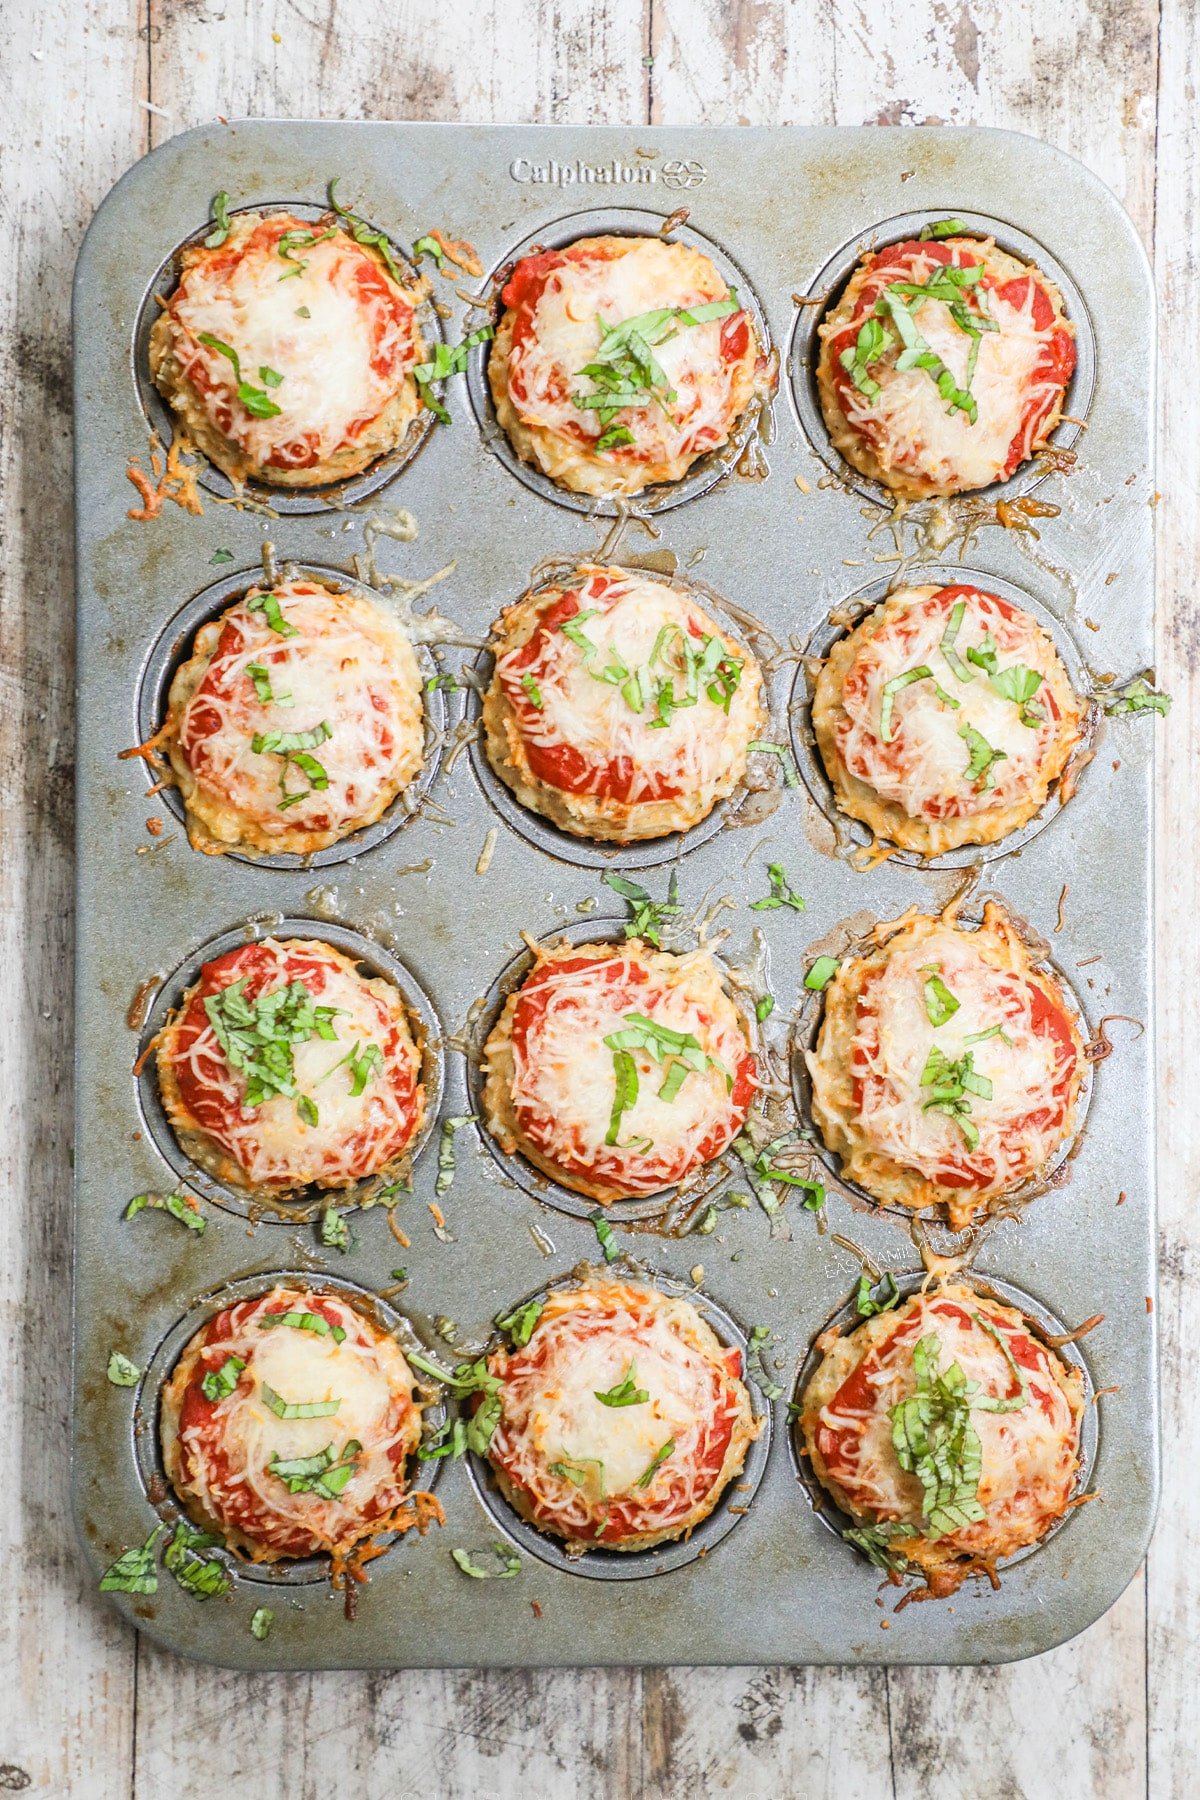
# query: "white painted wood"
{"points": [[1083, 73]]}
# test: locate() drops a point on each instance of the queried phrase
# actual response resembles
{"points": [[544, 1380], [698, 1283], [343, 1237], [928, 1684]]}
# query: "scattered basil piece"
{"points": [[940, 1004], [121, 1372], [648, 918], [519, 1323], [604, 1232], [891, 689], [945, 228], [134, 1571], [626, 1392], [304, 1321], [362, 233], [756, 1368], [220, 556], [200, 1576], [1136, 696], [428, 246], [218, 1384], [821, 973], [180, 1206], [764, 1006], [221, 225], [868, 1302], [982, 758], [533, 692], [258, 1037], [261, 1621], [296, 1409], [782, 893], [660, 1457], [335, 1233], [510, 1564], [256, 401], [268, 605], [791, 775], [450, 1439], [446, 1158]]}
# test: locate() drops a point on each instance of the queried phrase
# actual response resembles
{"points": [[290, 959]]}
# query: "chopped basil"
{"points": [[660, 1457], [520, 1322], [944, 228], [625, 1092], [533, 692], [953, 626], [220, 556], [868, 1303], [447, 361], [306, 1106], [782, 893], [299, 240], [706, 1224], [466, 1377], [510, 1564], [897, 307], [200, 1576], [982, 758], [302, 312], [764, 747], [1136, 696], [764, 1007], [218, 1384], [992, 1402], [891, 689], [872, 341], [296, 1409], [270, 377], [979, 1037], [261, 1621], [335, 1233], [648, 918], [121, 1372], [428, 246], [445, 1174], [134, 1572], [362, 233], [258, 1037], [615, 438], [256, 401], [626, 1392], [268, 605], [449, 682], [449, 1440], [304, 1321], [625, 373], [180, 1206], [756, 1368], [577, 1473], [282, 743], [261, 677], [940, 1004], [604, 1232], [482, 1423], [327, 1473], [362, 1066], [873, 1541], [221, 225], [821, 973]]}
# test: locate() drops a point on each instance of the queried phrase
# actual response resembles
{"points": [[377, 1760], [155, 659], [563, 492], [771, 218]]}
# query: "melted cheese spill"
{"points": [[566, 336], [908, 421], [1028, 1455], [1023, 1075], [923, 768], [367, 1375], [563, 1080], [340, 365], [271, 1142], [347, 666], [692, 752]]}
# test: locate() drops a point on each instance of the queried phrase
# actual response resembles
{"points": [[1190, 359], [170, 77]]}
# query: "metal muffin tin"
{"points": [[786, 211]]}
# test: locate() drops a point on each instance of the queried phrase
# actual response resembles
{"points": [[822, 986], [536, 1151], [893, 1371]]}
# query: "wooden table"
{"points": [[86, 1709]]}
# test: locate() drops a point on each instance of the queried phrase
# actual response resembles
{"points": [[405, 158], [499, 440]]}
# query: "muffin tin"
{"points": [[785, 212]]}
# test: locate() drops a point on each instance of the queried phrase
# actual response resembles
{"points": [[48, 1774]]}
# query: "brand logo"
{"points": [[677, 173]]}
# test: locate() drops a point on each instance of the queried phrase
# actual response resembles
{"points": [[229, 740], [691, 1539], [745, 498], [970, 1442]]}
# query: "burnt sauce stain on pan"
{"points": [[449, 897]]}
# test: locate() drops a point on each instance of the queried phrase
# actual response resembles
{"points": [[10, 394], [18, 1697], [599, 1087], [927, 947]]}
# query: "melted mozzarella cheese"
{"points": [[1027, 1455], [271, 1142], [345, 666], [593, 716], [564, 1083], [342, 354], [925, 764], [910, 423], [566, 335], [1022, 1073]]}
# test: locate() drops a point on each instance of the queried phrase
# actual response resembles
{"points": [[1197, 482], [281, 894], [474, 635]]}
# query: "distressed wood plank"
{"points": [[71, 125], [1173, 1587]]}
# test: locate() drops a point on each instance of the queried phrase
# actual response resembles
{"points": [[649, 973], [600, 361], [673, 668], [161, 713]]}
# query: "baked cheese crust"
{"points": [[295, 662], [683, 398], [947, 393], [639, 1470], [617, 1120], [287, 352], [999, 1494], [945, 718], [619, 709], [948, 1066]]}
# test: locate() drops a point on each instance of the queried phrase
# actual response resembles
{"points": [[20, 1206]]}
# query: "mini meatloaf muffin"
{"points": [[287, 351], [622, 1418], [295, 721], [619, 709], [620, 360], [948, 1066], [287, 1425], [945, 718], [944, 365], [947, 1431], [618, 1070], [285, 1064]]}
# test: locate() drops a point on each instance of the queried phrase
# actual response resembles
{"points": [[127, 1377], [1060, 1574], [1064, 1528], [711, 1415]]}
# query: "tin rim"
{"points": [[706, 471], [830, 282], [862, 602], [301, 1571], [312, 1201], [333, 496], [174, 645], [1045, 1322], [592, 853], [805, 1031], [598, 1564]]}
